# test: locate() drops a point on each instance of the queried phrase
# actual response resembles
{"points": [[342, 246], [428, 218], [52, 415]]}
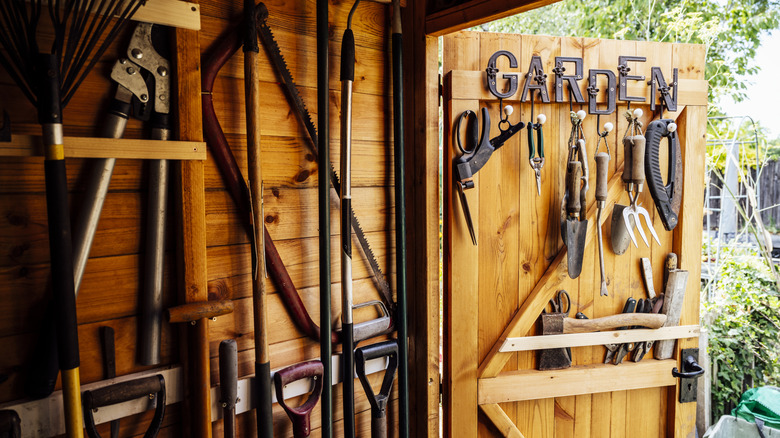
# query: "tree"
{"points": [[731, 30]]}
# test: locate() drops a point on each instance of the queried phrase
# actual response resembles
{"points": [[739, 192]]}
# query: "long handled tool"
{"points": [[602, 170], [323, 189], [81, 35], [228, 384], [265, 427], [152, 388], [109, 362], [300, 415], [378, 401], [347, 340], [400, 221]]}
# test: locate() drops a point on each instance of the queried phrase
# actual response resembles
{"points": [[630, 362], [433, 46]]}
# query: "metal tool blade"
{"points": [[604, 291], [640, 211], [573, 230], [619, 237], [291, 90], [628, 218], [464, 202]]}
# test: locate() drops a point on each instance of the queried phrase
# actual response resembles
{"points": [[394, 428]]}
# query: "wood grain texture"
{"points": [[541, 259], [474, 12]]}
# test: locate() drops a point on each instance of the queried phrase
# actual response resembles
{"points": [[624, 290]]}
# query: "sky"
{"points": [[763, 89]]}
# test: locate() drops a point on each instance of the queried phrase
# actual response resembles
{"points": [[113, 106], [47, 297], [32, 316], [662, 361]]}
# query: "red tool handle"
{"points": [[300, 415]]}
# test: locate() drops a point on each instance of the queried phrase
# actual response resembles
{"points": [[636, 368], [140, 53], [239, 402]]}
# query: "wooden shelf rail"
{"points": [[528, 343], [88, 147]]}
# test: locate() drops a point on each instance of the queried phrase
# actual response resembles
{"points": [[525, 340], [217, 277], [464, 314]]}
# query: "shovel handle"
{"points": [[602, 168], [573, 174], [122, 392], [300, 415], [228, 384], [378, 401]]}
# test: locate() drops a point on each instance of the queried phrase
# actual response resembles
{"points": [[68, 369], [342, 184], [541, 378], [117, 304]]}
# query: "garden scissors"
{"points": [[477, 152]]}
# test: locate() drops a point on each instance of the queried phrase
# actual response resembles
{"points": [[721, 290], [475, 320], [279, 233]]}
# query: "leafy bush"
{"points": [[743, 318]]}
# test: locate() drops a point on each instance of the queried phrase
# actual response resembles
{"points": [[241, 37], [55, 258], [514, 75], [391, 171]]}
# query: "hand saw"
{"points": [[291, 90]]}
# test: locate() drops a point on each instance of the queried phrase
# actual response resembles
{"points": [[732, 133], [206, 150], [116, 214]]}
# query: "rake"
{"points": [[82, 31]]}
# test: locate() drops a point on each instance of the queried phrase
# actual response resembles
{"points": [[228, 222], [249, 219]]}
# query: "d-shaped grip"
{"points": [[300, 415], [378, 401], [122, 392]]}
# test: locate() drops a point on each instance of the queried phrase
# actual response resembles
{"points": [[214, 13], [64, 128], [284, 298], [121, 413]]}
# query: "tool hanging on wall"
{"points": [[653, 304], [347, 340], [634, 178], [10, 424], [478, 151], [109, 365], [380, 400], [264, 408], [399, 164], [574, 221], [537, 159], [151, 388], [667, 197], [131, 98], [602, 174], [228, 385], [49, 80], [612, 349], [300, 416]]}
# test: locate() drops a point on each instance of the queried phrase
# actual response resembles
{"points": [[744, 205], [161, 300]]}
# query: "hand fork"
{"points": [[634, 177]]}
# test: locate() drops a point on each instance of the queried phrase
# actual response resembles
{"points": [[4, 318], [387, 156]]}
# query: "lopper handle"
{"points": [[573, 174], [602, 170]]}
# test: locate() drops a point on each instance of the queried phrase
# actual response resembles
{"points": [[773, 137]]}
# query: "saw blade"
{"points": [[291, 90]]}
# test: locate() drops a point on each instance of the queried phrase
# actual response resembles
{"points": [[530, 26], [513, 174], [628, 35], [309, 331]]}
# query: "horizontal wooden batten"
{"points": [[690, 92], [578, 380], [529, 343], [173, 13], [87, 147]]}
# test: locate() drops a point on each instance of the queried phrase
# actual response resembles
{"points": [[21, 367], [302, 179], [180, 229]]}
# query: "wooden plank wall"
{"points": [[518, 236], [111, 284]]}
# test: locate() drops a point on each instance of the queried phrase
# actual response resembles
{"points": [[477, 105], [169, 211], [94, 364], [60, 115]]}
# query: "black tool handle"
{"points": [[378, 401], [348, 56], [299, 416], [656, 131], [573, 175], [10, 424], [122, 392], [602, 170], [228, 384]]}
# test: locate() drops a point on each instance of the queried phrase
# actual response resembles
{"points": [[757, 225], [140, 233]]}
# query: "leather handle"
{"points": [[602, 170]]}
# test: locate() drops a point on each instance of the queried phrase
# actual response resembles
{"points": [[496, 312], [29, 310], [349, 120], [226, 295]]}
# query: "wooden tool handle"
{"points": [[572, 325], [638, 160], [602, 170], [573, 174], [627, 159], [670, 264], [195, 311]]}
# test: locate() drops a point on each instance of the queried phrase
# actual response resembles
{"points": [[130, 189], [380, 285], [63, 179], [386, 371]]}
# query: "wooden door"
{"points": [[496, 290]]}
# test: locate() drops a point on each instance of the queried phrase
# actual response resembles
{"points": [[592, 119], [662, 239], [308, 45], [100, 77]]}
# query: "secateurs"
{"points": [[477, 152], [574, 222]]}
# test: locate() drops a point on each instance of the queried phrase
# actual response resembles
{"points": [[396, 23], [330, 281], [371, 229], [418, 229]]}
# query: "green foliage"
{"points": [[731, 30], [743, 319]]}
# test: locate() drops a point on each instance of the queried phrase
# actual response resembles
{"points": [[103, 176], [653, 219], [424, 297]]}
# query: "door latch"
{"points": [[691, 370]]}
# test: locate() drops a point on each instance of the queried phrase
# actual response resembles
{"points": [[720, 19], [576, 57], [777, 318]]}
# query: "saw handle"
{"points": [[662, 194], [300, 416], [602, 170], [573, 175]]}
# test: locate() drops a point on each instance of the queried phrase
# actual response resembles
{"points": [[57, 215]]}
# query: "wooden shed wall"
{"points": [[109, 293]]}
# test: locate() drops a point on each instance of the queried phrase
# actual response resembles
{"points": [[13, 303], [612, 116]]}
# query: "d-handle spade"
{"points": [[378, 401], [152, 387], [228, 384], [300, 415], [602, 167]]}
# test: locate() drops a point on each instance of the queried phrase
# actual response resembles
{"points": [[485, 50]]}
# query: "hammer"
{"points": [[558, 323]]}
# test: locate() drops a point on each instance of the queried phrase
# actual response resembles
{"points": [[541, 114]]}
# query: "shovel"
{"points": [[572, 228]]}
